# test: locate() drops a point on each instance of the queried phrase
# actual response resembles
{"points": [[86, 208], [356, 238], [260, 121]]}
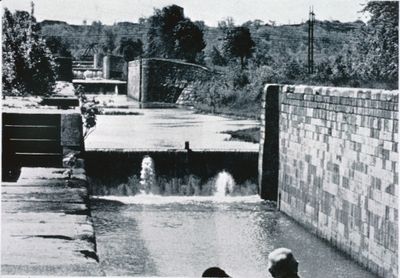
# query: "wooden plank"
{"points": [[60, 101], [35, 146], [39, 159], [32, 132], [31, 119]]}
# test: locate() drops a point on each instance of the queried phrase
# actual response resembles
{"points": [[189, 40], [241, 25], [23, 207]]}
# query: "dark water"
{"points": [[182, 236]]}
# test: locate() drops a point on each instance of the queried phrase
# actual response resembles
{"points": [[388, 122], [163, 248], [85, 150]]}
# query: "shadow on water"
{"points": [[120, 248]]}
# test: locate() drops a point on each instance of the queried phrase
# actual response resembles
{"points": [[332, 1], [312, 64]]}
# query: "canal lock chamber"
{"points": [[164, 233]]}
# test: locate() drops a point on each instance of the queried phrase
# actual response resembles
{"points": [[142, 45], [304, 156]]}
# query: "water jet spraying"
{"points": [[147, 175], [224, 184]]}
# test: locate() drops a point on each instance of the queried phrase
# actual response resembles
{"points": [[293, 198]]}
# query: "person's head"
{"points": [[282, 264], [214, 272]]}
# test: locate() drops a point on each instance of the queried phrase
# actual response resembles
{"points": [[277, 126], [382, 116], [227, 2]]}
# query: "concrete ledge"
{"points": [[98, 81], [46, 225]]}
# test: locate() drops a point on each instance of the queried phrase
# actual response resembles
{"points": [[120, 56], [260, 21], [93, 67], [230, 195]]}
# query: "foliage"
{"points": [[189, 40], [107, 41], [217, 58], [161, 41], [171, 35], [236, 92], [226, 24], [28, 65], [346, 54], [238, 43], [293, 69], [89, 110], [377, 45], [130, 49], [58, 47]]}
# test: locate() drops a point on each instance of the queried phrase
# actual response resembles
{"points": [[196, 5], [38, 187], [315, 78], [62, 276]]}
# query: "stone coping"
{"points": [[171, 61], [161, 150], [98, 81], [363, 93], [40, 110]]}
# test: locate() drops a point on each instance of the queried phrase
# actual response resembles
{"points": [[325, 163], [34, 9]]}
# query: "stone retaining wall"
{"points": [[338, 167], [162, 80]]}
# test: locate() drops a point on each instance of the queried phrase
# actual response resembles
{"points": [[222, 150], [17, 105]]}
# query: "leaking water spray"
{"points": [[147, 175], [224, 184]]}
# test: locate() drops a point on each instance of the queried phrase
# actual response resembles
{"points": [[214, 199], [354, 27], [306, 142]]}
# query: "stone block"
{"points": [[71, 130]]}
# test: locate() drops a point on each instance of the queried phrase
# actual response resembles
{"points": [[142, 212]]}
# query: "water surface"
{"points": [[182, 236], [161, 129]]}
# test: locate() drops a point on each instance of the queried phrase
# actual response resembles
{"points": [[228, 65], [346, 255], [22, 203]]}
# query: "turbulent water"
{"points": [[150, 235], [224, 184]]}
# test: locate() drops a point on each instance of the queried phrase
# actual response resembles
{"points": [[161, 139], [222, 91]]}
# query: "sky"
{"points": [[210, 11]]}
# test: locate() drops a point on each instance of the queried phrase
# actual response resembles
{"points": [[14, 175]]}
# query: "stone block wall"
{"points": [[338, 168], [113, 67], [162, 80], [134, 79]]}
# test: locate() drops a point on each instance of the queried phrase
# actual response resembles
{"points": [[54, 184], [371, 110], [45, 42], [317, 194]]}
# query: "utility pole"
{"points": [[311, 22]]}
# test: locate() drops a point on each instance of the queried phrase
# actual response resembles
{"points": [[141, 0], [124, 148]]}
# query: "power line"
{"points": [[311, 22]]}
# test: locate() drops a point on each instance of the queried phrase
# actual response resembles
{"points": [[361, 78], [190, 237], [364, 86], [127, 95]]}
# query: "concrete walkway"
{"points": [[46, 227]]}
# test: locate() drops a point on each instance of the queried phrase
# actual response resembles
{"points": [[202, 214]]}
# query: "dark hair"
{"points": [[214, 272], [287, 266]]}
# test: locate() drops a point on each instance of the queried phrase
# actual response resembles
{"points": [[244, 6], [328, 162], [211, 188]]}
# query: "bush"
{"points": [[89, 110], [236, 92]]}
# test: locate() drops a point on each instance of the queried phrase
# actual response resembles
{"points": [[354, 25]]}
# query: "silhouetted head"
{"points": [[282, 264], [214, 272]]}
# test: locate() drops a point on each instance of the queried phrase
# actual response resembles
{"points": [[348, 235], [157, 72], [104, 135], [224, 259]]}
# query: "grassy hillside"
{"points": [[284, 40]]}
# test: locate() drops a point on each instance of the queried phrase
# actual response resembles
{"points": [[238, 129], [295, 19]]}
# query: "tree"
{"points": [[171, 35], [161, 41], [130, 49], [378, 49], [226, 24], [28, 65], [58, 47], [238, 43], [189, 40]]}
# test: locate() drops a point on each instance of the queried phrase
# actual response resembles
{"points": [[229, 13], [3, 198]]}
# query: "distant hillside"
{"points": [[282, 40], [80, 37]]}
